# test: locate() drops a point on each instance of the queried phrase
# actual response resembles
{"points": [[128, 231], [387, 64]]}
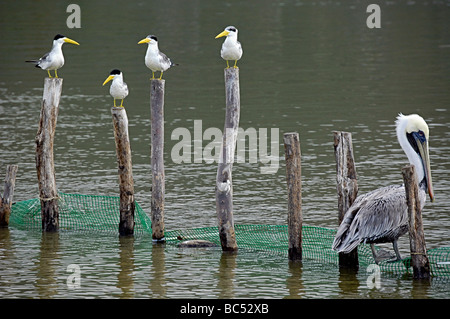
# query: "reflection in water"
{"points": [[420, 288], [294, 283], [6, 244], [136, 268], [125, 279], [158, 280], [226, 275], [348, 281], [47, 264]]}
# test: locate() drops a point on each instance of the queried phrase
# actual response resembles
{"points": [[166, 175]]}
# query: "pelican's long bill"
{"points": [[109, 78], [422, 145], [222, 34], [70, 41]]}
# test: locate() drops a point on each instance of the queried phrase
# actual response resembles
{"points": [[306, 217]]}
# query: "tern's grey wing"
{"points": [[44, 58], [164, 61]]}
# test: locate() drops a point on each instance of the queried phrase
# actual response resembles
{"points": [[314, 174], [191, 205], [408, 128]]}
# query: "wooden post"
{"points": [[419, 259], [157, 159], [48, 192], [347, 187], [294, 184], [224, 188], [8, 194], [126, 183]]}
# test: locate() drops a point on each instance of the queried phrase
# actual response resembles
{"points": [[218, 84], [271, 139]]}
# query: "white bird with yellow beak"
{"points": [[381, 215], [231, 47], [118, 89], [54, 59], [155, 60]]}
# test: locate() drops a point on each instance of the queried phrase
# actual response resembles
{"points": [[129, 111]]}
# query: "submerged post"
{"points": [[419, 258], [8, 194], [126, 183], [224, 187], [347, 187], [48, 192], [157, 159], [294, 184]]}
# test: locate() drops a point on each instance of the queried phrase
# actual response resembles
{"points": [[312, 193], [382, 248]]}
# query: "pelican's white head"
{"points": [[413, 135]]}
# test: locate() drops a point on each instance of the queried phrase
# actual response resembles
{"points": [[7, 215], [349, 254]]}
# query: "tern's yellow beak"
{"points": [[109, 78], [71, 41], [146, 40], [223, 34]]}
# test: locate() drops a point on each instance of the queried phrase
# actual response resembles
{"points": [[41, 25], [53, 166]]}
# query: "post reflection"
{"points": [[348, 282], [125, 280], [158, 285], [226, 275], [47, 264], [294, 282]]}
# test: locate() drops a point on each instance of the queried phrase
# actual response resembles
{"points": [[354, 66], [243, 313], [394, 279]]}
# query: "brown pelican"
{"points": [[381, 215]]}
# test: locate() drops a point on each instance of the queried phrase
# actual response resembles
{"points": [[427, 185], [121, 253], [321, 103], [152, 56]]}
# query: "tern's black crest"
{"points": [[58, 36], [153, 37], [231, 29], [115, 72]]}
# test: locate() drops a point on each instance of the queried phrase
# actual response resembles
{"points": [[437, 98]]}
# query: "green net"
{"points": [[101, 213], [78, 212]]}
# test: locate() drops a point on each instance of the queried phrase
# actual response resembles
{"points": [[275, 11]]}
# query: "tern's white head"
{"points": [[413, 135], [60, 40], [151, 40], [229, 31], [114, 75]]}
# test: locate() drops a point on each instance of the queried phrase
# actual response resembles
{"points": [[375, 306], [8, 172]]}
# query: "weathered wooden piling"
{"points": [[126, 183], [419, 258], [48, 192], [347, 187], [224, 187], [294, 185], [8, 194], [157, 159]]}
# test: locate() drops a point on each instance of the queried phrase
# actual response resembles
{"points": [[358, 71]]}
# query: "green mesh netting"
{"points": [[101, 213], [78, 212]]}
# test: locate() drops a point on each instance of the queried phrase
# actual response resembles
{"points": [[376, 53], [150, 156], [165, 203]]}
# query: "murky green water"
{"points": [[308, 66]]}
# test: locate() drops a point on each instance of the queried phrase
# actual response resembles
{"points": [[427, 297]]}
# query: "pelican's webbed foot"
{"points": [[381, 254]]}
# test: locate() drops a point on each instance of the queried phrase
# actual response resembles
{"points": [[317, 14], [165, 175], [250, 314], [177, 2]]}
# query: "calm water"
{"points": [[308, 66]]}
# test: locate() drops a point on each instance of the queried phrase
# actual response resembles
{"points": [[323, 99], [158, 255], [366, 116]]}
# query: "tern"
{"points": [[155, 60], [231, 47], [118, 89], [54, 59], [381, 215]]}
